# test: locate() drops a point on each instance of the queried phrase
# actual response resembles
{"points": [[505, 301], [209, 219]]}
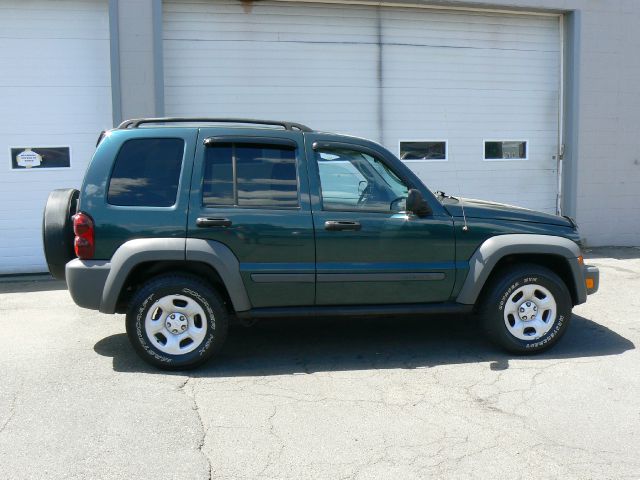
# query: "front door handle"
{"points": [[342, 225], [213, 222]]}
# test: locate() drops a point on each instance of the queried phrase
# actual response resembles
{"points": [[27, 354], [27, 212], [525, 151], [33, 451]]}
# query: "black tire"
{"points": [[57, 229], [507, 282], [217, 320]]}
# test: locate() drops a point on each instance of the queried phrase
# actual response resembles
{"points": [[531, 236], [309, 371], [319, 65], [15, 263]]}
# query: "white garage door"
{"points": [[310, 63], [55, 91], [458, 78]]}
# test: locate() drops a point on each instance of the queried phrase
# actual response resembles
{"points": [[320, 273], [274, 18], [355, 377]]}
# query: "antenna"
{"points": [[465, 227]]}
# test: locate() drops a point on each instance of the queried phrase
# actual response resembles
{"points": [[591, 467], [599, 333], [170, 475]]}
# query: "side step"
{"points": [[356, 310]]}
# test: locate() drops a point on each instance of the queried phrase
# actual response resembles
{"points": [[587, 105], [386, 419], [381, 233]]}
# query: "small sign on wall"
{"points": [[37, 158]]}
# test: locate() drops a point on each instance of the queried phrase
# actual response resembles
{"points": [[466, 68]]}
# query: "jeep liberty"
{"points": [[185, 224]]}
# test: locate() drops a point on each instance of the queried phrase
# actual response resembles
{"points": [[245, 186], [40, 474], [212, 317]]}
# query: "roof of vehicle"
{"points": [[248, 124], [137, 122]]}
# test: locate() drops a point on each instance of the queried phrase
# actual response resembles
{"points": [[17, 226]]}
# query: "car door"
{"points": [[368, 249], [250, 193]]}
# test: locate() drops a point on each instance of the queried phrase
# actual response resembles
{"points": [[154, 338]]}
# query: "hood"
{"points": [[499, 211]]}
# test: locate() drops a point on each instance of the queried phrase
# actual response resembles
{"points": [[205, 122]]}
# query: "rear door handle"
{"points": [[342, 225], [213, 222]]}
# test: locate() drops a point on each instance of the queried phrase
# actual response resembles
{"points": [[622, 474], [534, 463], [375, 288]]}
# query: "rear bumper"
{"points": [[86, 280], [591, 279]]}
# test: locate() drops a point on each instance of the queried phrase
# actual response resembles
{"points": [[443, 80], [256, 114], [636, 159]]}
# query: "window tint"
{"points": [[147, 172], [342, 183], [250, 176], [353, 180], [218, 176]]}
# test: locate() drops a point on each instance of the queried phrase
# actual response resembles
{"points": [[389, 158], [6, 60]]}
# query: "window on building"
{"points": [[250, 175], [355, 181], [147, 173], [431, 150], [505, 150]]}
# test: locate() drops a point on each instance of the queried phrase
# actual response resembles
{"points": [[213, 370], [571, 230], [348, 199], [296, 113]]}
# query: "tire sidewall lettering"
{"points": [[550, 335], [515, 285], [559, 322], [211, 307], [211, 318], [142, 336]]}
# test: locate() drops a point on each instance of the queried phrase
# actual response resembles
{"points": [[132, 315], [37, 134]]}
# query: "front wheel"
{"points": [[176, 322], [527, 309]]}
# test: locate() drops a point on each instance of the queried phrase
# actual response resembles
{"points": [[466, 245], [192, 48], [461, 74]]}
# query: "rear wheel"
{"points": [[57, 229], [527, 309], [176, 322]]}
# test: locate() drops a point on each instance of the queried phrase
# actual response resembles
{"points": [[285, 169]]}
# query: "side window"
{"points": [[250, 176], [342, 183], [356, 181], [147, 172]]}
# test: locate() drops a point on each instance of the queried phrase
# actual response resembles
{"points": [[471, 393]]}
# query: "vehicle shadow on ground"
{"points": [[31, 283], [281, 347]]}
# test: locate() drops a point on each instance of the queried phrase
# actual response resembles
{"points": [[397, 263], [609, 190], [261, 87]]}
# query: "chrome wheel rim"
{"points": [[176, 324], [530, 312]]}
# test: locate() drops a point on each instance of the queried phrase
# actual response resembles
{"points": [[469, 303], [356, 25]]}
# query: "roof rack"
{"points": [[136, 122]]}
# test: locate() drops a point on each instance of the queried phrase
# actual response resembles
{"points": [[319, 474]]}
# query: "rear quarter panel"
{"points": [[114, 224]]}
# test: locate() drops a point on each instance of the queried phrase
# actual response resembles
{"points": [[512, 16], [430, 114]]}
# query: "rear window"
{"points": [[147, 172]]}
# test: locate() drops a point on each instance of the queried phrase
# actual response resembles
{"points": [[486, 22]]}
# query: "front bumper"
{"points": [[591, 279]]}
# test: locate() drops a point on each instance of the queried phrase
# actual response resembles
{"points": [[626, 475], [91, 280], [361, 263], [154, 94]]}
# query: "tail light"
{"points": [[84, 243]]}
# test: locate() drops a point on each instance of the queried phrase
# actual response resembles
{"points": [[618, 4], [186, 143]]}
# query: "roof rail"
{"points": [[136, 122]]}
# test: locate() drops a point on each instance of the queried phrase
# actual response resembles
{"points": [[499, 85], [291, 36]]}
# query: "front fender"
{"points": [[492, 250]]}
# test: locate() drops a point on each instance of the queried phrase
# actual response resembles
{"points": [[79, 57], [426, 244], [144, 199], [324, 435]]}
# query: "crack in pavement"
{"points": [[274, 456], [12, 412], [196, 408]]}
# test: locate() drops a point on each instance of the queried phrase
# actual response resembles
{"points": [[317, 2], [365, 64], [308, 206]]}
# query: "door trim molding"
{"points": [[381, 277], [283, 277]]}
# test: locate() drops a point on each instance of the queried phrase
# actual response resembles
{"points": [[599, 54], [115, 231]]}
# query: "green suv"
{"points": [[185, 224]]}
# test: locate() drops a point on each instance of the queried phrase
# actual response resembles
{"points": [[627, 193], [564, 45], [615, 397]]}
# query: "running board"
{"points": [[356, 310]]}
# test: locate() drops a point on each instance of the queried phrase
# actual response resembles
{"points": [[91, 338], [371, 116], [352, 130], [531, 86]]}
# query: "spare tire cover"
{"points": [[57, 229]]}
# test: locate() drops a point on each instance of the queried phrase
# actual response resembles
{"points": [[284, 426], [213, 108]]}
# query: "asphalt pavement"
{"points": [[327, 399]]}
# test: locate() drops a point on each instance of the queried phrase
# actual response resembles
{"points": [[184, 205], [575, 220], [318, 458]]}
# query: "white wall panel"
{"points": [[459, 76], [55, 91], [469, 76], [308, 63]]}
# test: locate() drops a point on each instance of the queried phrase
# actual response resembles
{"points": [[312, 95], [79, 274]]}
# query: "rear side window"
{"points": [[147, 172], [250, 175]]}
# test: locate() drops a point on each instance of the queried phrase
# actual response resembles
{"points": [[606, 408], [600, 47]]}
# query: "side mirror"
{"points": [[416, 203]]}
